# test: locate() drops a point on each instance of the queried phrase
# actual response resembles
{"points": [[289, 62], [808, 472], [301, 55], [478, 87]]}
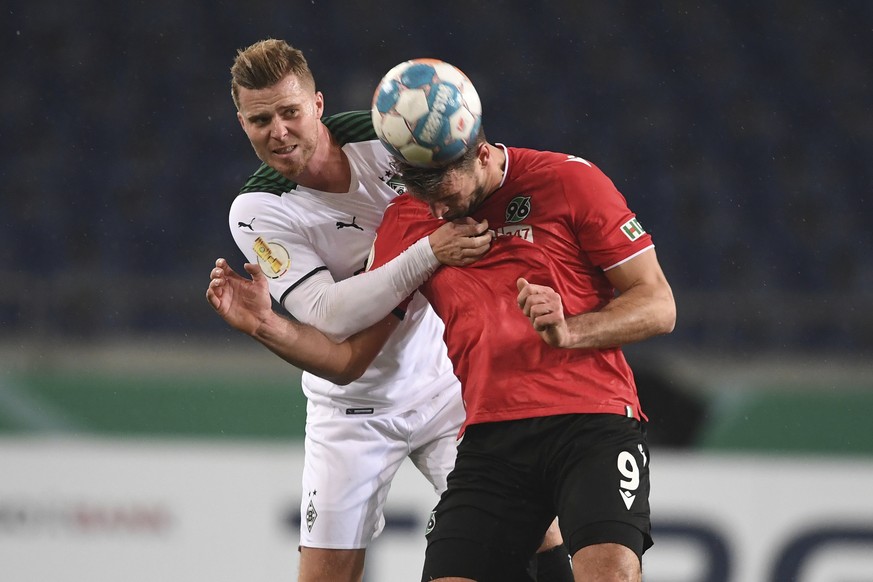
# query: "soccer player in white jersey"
{"points": [[308, 217]]}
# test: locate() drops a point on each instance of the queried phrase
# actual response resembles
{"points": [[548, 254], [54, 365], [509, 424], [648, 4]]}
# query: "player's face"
{"points": [[460, 193], [282, 123]]}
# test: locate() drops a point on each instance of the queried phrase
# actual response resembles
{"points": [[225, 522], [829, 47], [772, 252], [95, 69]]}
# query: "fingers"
{"points": [[543, 317], [482, 240], [539, 302], [215, 291], [216, 280], [213, 298], [474, 246], [471, 249], [468, 227], [461, 243], [221, 270], [545, 310], [537, 305], [254, 270], [523, 291]]}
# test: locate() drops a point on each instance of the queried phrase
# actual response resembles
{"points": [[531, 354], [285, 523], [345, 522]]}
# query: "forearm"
{"points": [[349, 306], [307, 348], [635, 315]]}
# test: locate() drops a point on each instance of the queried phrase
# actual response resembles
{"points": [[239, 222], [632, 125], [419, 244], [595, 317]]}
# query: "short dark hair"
{"points": [[426, 181]]}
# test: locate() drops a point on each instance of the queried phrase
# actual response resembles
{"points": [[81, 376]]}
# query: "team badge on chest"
{"points": [[518, 209]]}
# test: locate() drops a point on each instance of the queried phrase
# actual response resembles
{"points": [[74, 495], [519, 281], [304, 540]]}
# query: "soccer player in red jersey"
{"points": [[552, 408]]}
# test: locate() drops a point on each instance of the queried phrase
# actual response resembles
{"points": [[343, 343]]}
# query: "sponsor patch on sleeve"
{"points": [[272, 257], [632, 229]]}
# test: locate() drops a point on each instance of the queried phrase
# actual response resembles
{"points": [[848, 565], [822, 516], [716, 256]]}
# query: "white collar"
{"points": [[505, 165]]}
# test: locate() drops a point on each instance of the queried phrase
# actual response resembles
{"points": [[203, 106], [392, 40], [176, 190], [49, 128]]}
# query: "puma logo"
{"points": [[340, 225], [248, 226]]}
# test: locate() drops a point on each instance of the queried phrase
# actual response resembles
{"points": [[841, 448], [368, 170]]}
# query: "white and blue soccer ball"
{"points": [[426, 112]]}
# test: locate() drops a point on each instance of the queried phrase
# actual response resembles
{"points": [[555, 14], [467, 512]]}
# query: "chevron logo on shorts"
{"points": [[627, 497]]}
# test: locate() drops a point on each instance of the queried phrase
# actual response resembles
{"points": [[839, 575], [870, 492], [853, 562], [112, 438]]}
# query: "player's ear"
{"points": [[483, 153], [319, 104]]}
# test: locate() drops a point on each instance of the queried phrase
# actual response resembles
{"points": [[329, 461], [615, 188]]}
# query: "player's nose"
{"points": [[438, 209], [278, 129]]}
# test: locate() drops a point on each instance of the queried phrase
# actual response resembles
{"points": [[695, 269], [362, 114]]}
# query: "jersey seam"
{"points": [[300, 281]]}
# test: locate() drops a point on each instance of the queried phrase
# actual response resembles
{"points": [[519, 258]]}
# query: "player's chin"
{"points": [[459, 215], [286, 164]]}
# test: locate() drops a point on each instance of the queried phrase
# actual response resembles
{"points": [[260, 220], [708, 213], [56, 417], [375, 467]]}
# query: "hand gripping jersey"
{"points": [[559, 222], [294, 232]]}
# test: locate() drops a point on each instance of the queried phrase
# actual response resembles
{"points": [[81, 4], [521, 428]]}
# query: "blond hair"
{"points": [[264, 64]]}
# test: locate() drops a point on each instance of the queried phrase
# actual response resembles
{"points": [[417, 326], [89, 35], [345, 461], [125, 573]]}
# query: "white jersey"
{"points": [[294, 232]]}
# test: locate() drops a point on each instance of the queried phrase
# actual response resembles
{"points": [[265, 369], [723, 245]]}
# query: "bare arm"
{"points": [[643, 308], [245, 304], [308, 349]]}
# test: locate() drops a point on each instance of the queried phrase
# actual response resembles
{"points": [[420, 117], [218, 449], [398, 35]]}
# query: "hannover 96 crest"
{"points": [[518, 209]]}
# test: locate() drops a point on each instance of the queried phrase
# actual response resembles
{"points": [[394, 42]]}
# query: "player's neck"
{"points": [[328, 169], [497, 168]]}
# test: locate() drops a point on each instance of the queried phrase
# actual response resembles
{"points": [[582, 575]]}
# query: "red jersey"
{"points": [[559, 222]]}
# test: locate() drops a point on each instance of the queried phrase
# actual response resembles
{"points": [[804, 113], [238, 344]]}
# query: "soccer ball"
{"points": [[426, 111]]}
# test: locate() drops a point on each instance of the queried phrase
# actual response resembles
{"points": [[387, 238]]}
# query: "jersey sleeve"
{"points": [[606, 228], [266, 235], [337, 308], [405, 221]]}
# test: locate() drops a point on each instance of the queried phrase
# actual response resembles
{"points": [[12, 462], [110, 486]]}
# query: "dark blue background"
{"points": [[740, 132]]}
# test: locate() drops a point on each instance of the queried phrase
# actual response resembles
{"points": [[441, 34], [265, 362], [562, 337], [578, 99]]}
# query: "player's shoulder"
{"points": [[347, 128], [406, 219], [579, 170], [568, 169], [408, 206], [266, 179], [255, 203], [531, 160], [351, 126]]}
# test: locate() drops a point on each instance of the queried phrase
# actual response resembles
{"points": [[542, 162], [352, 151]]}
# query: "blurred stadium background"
{"points": [[136, 428]]}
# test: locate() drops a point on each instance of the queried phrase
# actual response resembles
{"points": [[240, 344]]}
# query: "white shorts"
{"points": [[350, 461]]}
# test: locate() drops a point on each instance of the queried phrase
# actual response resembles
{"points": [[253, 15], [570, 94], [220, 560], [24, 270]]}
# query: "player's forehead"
{"points": [[457, 182], [287, 92]]}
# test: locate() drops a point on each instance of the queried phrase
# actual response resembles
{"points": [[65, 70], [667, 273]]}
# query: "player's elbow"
{"points": [[346, 377], [351, 370], [657, 315], [330, 327], [667, 313]]}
